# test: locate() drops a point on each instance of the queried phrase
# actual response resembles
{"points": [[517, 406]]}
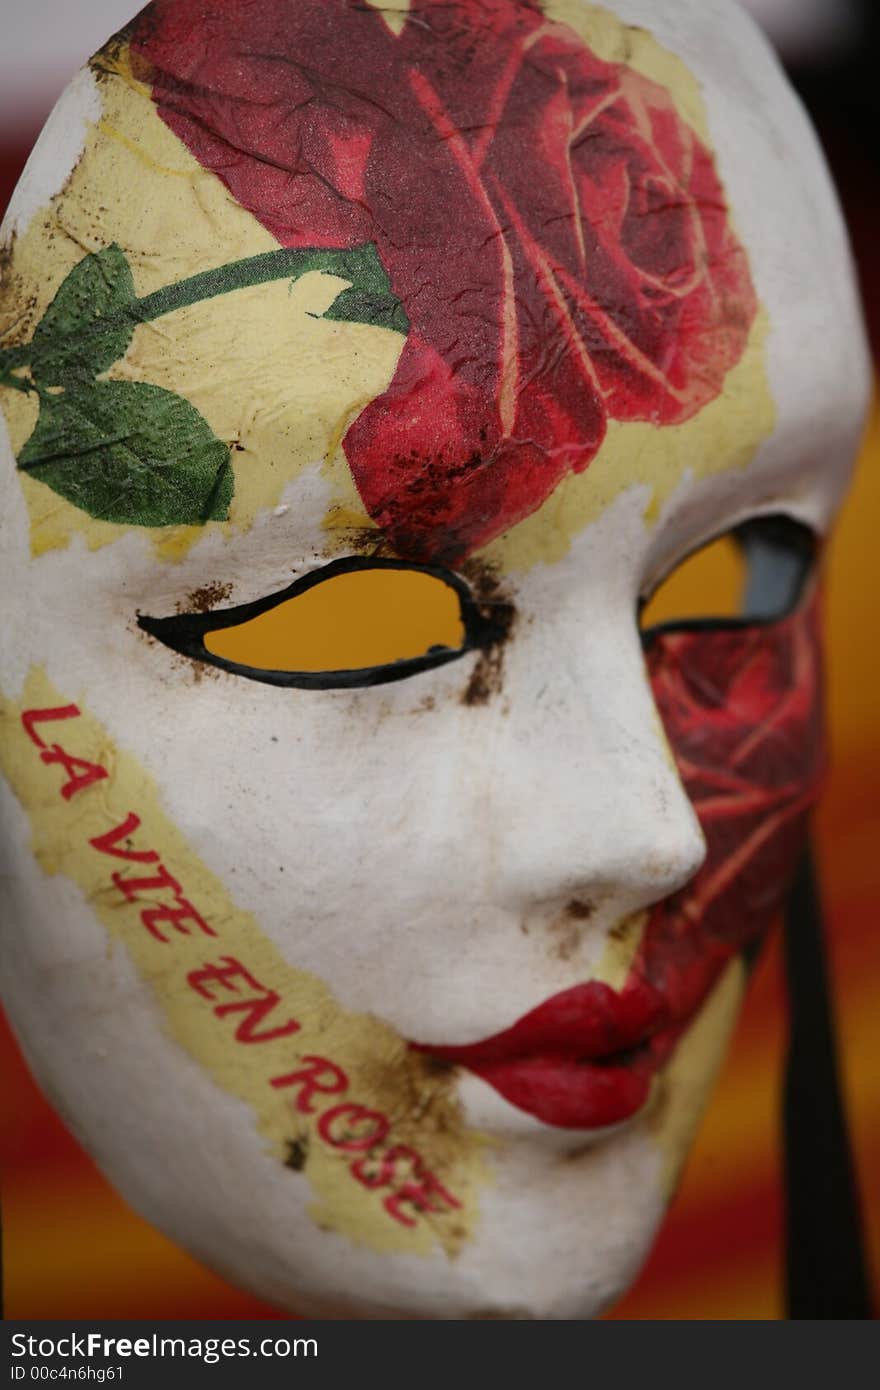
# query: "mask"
{"points": [[381, 876]]}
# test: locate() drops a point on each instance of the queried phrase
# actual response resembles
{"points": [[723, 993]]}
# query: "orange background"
{"points": [[73, 1249]]}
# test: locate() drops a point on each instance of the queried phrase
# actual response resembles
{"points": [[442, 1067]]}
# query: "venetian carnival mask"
{"points": [[380, 876]]}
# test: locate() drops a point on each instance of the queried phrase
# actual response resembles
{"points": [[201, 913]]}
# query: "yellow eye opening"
{"points": [[708, 584], [356, 621], [349, 622], [756, 573]]}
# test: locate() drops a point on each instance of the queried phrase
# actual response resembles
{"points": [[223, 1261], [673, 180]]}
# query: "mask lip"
{"points": [[485, 624]]}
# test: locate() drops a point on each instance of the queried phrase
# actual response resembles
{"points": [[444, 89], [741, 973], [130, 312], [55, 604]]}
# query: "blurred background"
{"points": [[73, 1249]]}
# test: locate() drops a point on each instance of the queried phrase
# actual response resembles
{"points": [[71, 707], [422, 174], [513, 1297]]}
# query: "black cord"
{"points": [[826, 1269]]}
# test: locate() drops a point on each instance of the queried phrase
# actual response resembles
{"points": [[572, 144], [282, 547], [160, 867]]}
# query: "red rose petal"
{"points": [[555, 231]]}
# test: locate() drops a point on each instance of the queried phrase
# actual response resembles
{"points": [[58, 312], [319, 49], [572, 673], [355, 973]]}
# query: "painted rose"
{"points": [[556, 232]]}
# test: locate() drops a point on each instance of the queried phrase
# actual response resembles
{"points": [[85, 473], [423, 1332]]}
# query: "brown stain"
{"points": [[417, 1092], [436, 1066], [565, 930], [487, 677], [7, 251], [622, 928], [205, 598], [15, 299], [580, 909], [345, 537], [208, 595], [565, 938], [105, 64], [585, 1153], [199, 670], [297, 1154], [486, 585], [567, 943]]}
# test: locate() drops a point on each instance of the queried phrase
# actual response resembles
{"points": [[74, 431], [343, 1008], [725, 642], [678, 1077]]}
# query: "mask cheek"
{"points": [[742, 709]]}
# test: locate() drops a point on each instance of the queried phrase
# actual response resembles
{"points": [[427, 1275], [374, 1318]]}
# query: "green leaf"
{"points": [[358, 306], [370, 298], [87, 327], [131, 453]]}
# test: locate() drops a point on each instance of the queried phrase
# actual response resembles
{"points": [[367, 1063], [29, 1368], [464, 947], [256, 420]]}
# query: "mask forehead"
{"points": [[514, 407]]}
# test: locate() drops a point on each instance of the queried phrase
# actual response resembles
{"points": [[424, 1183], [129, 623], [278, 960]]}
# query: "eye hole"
{"points": [[755, 573], [355, 622]]}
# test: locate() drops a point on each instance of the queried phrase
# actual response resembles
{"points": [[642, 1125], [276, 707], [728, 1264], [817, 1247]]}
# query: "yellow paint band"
{"points": [[373, 1126]]}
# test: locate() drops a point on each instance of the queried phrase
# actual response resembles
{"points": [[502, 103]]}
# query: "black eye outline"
{"points": [[780, 554], [484, 625]]}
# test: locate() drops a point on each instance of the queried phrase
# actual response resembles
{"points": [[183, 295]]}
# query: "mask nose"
{"points": [[587, 797]]}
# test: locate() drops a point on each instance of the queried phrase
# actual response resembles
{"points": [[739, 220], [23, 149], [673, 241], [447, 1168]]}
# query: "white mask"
{"points": [[362, 370]]}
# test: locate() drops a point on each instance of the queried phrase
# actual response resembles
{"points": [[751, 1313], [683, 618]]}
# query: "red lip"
{"points": [[583, 1059]]}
